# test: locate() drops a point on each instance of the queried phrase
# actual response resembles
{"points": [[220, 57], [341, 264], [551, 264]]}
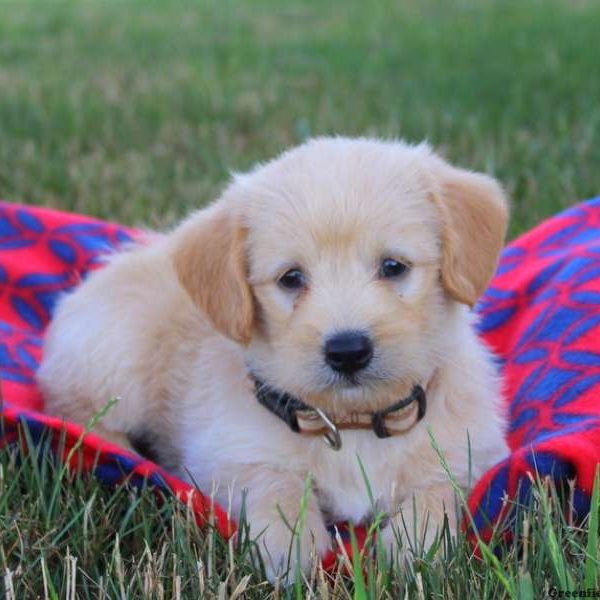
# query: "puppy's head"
{"points": [[339, 266]]}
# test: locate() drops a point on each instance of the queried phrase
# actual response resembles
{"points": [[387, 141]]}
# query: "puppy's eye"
{"points": [[391, 268], [292, 280]]}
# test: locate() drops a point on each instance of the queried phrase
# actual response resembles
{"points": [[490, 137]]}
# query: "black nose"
{"points": [[348, 352]]}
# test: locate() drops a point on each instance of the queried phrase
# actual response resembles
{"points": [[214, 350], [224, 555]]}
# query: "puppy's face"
{"points": [[339, 265]]}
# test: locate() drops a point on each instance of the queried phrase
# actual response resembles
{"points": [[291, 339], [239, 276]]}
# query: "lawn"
{"points": [[137, 111]]}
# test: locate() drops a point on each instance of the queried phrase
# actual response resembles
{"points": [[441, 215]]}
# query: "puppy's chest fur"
{"points": [[362, 480]]}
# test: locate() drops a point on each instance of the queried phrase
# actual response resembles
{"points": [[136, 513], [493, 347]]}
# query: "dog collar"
{"points": [[301, 418]]}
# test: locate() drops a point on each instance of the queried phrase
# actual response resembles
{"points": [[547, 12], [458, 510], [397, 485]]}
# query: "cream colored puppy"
{"points": [[326, 293]]}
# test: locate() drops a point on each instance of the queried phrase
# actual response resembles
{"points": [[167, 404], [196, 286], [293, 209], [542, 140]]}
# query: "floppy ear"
{"points": [[209, 258], [474, 213]]}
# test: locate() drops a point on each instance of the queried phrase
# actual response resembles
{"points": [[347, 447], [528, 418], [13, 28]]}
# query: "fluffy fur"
{"points": [[174, 327]]}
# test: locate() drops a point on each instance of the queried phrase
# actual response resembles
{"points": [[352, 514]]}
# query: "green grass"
{"points": [[97, 542], [137, 111]]}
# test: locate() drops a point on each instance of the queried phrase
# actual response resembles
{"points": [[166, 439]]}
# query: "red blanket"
{"points": [[541, 315]]}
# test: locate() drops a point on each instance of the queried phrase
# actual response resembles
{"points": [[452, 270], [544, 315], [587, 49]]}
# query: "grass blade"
{"points": [[591, 555], [360, 590]]}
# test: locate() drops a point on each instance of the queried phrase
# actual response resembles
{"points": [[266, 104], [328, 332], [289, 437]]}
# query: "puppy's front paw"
{"points": [[400, 541], [287, 547], [418, 525], [392, 539]]}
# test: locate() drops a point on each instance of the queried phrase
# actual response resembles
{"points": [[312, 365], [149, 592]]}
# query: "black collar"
{"points": [[287, 407]]}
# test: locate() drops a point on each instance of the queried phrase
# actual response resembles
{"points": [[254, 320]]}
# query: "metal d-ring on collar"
{"points": [[332, 435]]}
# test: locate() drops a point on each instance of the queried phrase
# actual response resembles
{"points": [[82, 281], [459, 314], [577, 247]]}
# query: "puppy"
{"points": [[313, 322]]}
